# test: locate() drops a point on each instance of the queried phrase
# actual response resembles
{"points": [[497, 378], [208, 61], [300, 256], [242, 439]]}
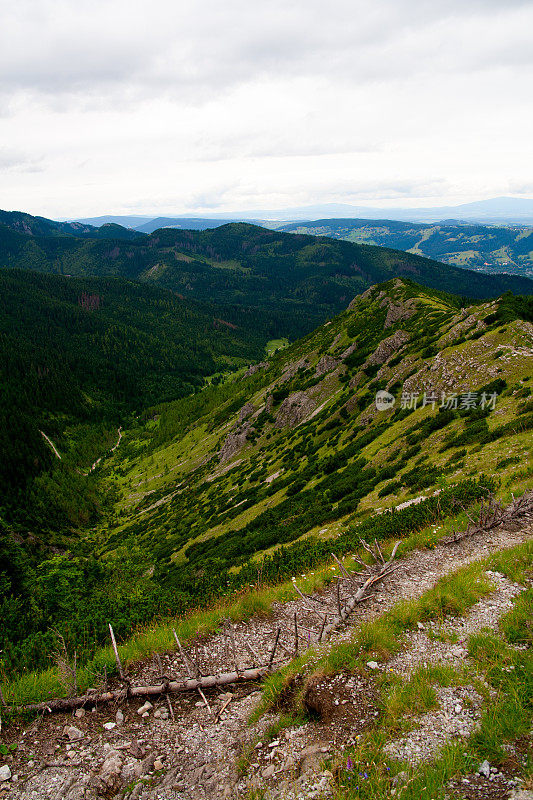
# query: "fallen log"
{"points": [[189, 685], [362, 594]]}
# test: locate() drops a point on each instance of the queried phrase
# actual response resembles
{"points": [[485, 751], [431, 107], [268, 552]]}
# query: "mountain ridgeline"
{"points": [[307, 278]]}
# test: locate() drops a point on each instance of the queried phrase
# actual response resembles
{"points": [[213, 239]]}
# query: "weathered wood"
{"points": [[172, 687], [115, 650], [295, 634], [345, 571], [360, 596], [184, 658], [273, 653], [204, 698]]}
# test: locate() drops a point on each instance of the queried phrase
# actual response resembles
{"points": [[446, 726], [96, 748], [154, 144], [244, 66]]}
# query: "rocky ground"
{"points": [[188, 747]]}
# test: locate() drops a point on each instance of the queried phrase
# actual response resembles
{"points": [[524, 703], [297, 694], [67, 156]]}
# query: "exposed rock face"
{"points": [[245, 411], [335, 341], [358, 378], [465, 325], [293, 368], [234, 442], [255, 368], [396, 311], [326, 364], [349, 350], [295, 408], [388, 347]]}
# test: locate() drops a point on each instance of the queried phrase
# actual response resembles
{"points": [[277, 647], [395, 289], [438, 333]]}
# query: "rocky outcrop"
{"points": [[293, 368], [465, 325], [349, 350], [326, 364], [245, 411], [388, 347], [396, 311], [234, 442], [294, 409], [255, 368], [335, 341]]}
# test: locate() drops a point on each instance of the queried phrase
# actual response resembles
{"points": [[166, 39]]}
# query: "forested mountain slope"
{"points": [[486, 248], [77, 356], [310, 277], [260, 475]]}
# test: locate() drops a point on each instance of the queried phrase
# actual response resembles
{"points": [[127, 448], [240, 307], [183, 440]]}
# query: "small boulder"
{"points": [[5, 773], [269, 771], [73, 733], [484, 768]]}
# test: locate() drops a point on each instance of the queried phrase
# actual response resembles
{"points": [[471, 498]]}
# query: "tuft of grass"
{"points": [[516, 563], [407, 698]]}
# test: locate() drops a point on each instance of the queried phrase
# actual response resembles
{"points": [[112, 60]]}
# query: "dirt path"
{"points": [[194, 756], [50, 442]]}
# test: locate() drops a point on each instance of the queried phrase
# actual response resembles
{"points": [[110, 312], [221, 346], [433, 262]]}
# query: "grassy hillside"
{"points": [[257, 479], [486, 248]]}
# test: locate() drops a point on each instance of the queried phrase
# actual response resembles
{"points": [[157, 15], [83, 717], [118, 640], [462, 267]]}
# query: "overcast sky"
{"points": [[178, 106]]}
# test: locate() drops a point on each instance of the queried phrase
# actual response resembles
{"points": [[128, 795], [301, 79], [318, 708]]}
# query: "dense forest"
{"points": [[77, 356]]}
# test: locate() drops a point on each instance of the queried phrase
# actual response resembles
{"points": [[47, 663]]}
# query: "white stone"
{"points": [[484, 768], [145, 708], [5, 773], [110, 725], [72, 733], [372, 665]]}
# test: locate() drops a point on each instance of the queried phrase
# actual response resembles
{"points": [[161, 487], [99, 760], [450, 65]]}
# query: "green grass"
{"points": [[365, 773], [275, 344]]}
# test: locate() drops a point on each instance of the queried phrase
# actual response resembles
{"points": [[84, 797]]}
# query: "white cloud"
{"points": [[174, 106]]}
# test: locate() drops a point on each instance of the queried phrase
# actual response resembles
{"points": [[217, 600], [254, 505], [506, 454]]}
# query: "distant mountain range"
{"points": [[297, 281], [485, 248], [507, 210]]}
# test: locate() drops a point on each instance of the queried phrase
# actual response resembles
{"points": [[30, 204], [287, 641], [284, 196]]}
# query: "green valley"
{"points": [[258, 477]]}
